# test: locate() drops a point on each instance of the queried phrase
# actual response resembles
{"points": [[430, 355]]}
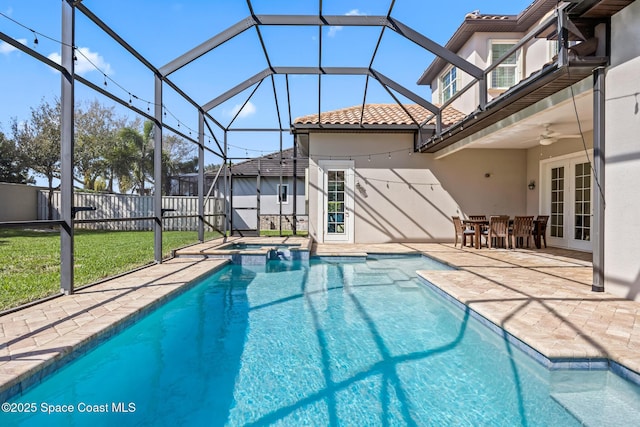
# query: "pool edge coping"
{"points": [[559, 363]]}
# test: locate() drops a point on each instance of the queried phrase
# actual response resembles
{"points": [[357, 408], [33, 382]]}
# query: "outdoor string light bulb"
{"points": [[35, 38]]}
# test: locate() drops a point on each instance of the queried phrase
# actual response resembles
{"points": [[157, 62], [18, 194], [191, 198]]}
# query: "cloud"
{"points": [[248, 110], [334, 29], [87, 61], [6, 48]]}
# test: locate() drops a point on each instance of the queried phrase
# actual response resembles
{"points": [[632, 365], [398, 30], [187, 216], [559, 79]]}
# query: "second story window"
{"points": [[507, 74], [448, 85]]}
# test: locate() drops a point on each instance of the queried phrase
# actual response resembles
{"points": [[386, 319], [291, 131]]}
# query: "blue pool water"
{"points": [[318, 344]]}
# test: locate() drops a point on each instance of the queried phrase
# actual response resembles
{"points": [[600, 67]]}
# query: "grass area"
{"points": [[30, 260]]}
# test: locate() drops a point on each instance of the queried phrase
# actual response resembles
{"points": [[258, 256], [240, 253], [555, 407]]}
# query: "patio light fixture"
{"points": [[532, 185]]}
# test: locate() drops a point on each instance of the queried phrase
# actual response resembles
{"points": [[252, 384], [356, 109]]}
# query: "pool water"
{"points": [[315, 344]]}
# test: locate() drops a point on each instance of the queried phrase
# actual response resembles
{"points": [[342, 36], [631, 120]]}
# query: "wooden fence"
{"points": [[118, 206]]}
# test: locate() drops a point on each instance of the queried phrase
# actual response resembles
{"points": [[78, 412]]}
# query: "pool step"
{"points": [[603, 407]]}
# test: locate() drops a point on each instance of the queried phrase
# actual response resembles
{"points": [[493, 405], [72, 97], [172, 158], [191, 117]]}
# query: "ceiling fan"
{"points": [[548, 137]]}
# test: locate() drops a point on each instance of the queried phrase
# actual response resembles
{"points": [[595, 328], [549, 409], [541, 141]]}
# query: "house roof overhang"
{"points": [[536, 87]]}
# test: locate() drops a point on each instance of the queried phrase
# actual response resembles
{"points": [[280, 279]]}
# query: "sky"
{"points": [[162, 30]]}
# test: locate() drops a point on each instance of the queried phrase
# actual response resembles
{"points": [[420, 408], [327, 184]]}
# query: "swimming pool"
{"points": [[317, 343]]}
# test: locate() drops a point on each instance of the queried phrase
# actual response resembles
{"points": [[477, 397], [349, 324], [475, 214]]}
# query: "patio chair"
{"points": [[498, 229], [462, 232], [541, 222], [522, 229], [480, 217]]}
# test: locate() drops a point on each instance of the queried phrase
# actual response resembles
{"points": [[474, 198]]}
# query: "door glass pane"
{"points": [[557, 202], [335, 202], [582, 226]]}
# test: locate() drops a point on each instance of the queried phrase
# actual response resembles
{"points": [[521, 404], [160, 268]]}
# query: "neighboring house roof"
{"points": [[269, 165], [475, 22], [379, 114]]}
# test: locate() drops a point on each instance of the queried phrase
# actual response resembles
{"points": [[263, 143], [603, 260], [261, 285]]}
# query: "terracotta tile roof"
{"points": [[380, 114]]}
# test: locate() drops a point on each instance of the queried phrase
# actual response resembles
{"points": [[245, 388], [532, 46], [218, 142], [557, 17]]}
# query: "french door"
{"points": [[335, 202], [567, 195]]}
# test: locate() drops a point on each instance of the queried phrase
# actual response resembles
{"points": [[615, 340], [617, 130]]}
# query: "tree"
{"points": [[38, 141], [176, 160], [96, 131], [12, 165], [133, 158]]}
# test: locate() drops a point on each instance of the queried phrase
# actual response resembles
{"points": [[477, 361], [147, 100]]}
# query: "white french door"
{"points": [[335, 202], [566, 195]]}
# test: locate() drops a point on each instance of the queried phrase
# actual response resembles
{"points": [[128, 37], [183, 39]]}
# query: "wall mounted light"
{"points": [[532, 185]]}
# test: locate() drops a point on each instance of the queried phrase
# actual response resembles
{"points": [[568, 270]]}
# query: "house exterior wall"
{"points": [[19, 202], [411, 198], [539, 153], [244, 196], [477, 51], [622, 151]]}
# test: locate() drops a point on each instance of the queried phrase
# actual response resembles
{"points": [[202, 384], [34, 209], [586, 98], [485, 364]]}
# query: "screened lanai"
{"points": [[234, 83]]}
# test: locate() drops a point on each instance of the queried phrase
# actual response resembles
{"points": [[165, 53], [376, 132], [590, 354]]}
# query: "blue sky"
{"points": [[162, 30]]}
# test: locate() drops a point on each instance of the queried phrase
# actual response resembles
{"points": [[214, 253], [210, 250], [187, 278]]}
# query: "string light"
{"points": [[133, 96]]}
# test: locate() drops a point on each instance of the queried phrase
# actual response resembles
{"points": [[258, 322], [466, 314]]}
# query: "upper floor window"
{"points": [[448, 85], [506, 74]]}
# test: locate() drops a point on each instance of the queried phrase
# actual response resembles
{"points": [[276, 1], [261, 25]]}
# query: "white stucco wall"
{"points": [[411, 198], [622, 154], [539, 153], [476, 51], [244, 196], [18, 202]]}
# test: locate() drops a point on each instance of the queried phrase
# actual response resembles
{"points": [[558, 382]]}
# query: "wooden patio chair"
{"points": [[541, 222], [522, 229], [480, 217], [498, 229], [462, 232]]}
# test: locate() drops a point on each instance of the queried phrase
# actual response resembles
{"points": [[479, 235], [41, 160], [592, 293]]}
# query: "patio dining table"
{"points": [[477, 225]]}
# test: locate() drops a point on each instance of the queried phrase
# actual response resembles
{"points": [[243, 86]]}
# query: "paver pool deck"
{"points": [[542, 297]]}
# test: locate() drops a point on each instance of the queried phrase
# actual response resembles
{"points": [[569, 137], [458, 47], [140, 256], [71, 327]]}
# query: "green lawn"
{"points": [[30, 260]]}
